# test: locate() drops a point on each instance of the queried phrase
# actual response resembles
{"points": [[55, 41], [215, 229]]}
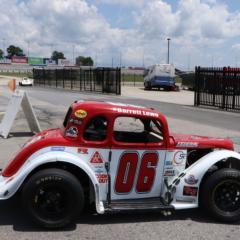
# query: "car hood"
{"points": [[47, 138], [184, 141]]}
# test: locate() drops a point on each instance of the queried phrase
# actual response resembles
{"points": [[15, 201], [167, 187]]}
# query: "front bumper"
{"points": [[9, 186]]}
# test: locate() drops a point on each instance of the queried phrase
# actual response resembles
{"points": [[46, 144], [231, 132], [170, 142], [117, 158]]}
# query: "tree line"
{"points": [[17, 51]]}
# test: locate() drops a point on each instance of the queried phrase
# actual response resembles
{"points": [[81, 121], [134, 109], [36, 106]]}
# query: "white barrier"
{"points": [[19, 98]]}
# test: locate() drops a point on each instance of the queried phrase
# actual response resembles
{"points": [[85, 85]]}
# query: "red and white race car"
{"points": [[120, 157]]}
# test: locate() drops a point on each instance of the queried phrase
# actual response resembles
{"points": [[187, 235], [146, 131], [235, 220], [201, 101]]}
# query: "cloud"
{"points": [[123, 2], [57, 23], [236, 46], [196, 27], [193, 18]]}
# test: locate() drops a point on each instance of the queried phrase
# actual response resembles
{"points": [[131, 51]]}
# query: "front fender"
{"points": [[197, 171], [10, 185]]}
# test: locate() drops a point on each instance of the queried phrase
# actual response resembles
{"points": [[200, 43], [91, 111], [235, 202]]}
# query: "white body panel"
{"points": [[167, 160], [198, 170], [133, 194]]}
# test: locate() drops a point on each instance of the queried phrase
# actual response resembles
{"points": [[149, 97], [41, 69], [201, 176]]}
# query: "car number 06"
{"points": [[127, 171]]}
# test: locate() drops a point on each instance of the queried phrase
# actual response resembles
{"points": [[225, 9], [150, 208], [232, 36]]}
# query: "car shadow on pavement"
{"points": [[195, 215], [11, 213]]}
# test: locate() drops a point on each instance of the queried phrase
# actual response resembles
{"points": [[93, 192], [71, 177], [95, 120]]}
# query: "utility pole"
{"points": [[96, 60], [189, 62], [168, 53], [73, 53], [28, 42], [120, 59], [4, 46], [143, 59], [51, 46]]}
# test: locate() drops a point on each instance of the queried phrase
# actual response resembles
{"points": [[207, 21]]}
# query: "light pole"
{"points": [[73, 53], [28, 43], [169, 39], [4, 46], [120, 59]]}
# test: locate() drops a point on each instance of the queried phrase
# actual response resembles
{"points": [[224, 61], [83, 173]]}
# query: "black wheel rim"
{"points": [[51, 203], [226, 196]]}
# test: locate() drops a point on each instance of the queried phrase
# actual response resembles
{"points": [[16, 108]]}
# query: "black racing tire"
{"points": [[220, 195], [53, 197]]}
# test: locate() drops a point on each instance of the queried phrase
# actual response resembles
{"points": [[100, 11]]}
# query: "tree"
{"points": [[1, 53], [84, 61], [14, 51], [57, 55]]}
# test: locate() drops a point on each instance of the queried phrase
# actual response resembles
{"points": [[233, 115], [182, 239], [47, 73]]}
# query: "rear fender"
{"points": [[187, 187]]}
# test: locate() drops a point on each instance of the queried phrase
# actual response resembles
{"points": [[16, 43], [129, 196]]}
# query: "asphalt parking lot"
{"points": [[51, 105]]}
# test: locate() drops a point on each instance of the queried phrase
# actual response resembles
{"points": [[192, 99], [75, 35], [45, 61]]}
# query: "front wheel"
{"points": [[220, 195], [53, 197]]}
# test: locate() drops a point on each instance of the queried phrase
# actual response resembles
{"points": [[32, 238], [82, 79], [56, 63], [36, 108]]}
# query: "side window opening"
{"points": [[96, 129], [137, 130]]}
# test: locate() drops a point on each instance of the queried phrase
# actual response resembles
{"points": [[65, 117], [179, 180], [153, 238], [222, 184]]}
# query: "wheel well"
{"points": [[224, 163], [195, 154], [82, 177]]}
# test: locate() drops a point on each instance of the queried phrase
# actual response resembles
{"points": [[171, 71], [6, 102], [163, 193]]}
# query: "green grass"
{"points": [[132, 78], [16, 74], [178, 79]]}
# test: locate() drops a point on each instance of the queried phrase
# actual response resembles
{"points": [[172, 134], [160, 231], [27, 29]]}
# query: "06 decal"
{"points": [[127, 171]]}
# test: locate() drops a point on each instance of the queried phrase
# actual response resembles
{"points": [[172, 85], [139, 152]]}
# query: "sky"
{"points": [[126, 32]]}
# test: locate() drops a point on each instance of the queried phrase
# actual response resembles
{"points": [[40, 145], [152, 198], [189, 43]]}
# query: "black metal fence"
{"points": [[100, 80], [218, 87]]}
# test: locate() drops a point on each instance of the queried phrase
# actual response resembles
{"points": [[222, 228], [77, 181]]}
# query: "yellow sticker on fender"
{"points": [[80, 113]]}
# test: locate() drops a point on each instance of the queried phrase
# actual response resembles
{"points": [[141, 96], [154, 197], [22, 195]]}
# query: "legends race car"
{"points": [[119, 157]]}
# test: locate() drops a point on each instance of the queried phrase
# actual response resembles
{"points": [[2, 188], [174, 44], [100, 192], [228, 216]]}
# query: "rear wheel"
{"points": [[53, 197], [147, 86], [221, 195]]}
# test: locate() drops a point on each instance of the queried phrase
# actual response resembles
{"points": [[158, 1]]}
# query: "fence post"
{"points": [[197, 89], [63, 78], [102, 80], [80, 79], [56, 78], [91, 78], [119, 82], [84, 80], [44, 77], [234, 90], [214, 91], [71, 78], [224, 88]]}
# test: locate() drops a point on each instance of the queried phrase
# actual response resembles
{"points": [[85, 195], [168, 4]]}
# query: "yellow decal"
{"points": [[80, 113]]}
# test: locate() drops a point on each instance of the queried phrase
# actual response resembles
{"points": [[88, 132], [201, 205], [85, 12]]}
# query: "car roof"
{"points": [[114, 108]]}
